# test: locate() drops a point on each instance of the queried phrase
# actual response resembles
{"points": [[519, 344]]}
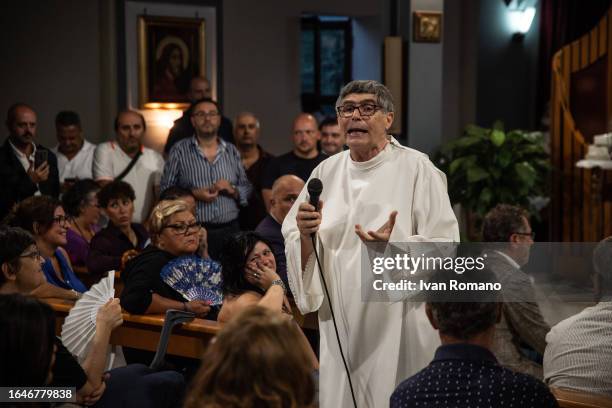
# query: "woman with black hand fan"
{"points": [[174, 233]]}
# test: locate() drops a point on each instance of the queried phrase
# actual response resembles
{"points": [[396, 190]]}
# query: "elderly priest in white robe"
{"points": [[378, 190]]}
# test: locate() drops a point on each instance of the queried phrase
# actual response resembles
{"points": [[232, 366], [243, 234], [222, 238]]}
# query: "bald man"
{"points": [[255, 160], [199, 88], [285, 191], [300, 161], [26, 168]]}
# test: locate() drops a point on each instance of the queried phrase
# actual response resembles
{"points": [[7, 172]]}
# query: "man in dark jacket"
{"points": [[26, 169]]}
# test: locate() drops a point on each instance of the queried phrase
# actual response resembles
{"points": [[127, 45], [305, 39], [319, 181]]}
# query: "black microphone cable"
{"points": [[346, 367]]}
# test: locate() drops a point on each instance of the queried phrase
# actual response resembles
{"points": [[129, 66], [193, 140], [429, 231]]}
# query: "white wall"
{"points": [[51, 60]]}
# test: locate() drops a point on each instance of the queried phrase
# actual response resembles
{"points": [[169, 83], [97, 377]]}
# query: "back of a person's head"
{"points": [[27, 328], [34, 214], [174, 193], [602, 264], [502, 221], [463, 314], [255, 361]]}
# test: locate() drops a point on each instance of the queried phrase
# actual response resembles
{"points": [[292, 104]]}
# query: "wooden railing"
{"points": [[580, 209], [576, 399]]}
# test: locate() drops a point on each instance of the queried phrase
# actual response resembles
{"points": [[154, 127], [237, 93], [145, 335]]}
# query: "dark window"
{"points": [[325, 61]]}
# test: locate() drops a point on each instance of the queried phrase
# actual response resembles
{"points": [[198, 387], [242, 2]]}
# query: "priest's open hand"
{"points": [[380, 235]]}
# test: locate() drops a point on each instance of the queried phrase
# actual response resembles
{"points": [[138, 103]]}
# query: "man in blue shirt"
{"points": [[212, 170], [464, 371]]}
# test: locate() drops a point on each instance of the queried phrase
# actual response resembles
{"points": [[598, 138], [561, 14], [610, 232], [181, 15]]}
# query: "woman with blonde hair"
{"points": [[254, 362], [174, 233]]}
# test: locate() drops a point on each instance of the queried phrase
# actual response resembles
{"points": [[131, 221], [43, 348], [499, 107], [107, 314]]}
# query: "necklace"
{"points": [[76, 224]]}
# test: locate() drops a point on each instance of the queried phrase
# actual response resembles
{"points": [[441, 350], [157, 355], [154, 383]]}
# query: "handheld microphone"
{"points": [[315, 187]]}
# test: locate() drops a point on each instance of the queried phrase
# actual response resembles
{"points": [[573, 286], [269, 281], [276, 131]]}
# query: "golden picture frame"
{"points": [[171, 51], [427, 26]]}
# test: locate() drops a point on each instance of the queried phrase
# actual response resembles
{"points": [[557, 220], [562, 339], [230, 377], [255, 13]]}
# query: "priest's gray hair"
{"points": [[383, 95], [602, 260]]}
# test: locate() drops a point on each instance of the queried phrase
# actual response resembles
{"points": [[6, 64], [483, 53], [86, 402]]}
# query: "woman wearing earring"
{"points": [[81, 204], [44, 217]]}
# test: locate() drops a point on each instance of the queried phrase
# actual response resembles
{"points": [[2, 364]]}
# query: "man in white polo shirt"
{"points": [[127, 159], [74, 153]]}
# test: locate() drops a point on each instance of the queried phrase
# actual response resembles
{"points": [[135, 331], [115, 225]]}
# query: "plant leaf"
{"points": [[476, 173], [504, 158], [477, 131], [498, 137], [485, 196], [466, 141], [455, 164], [526, 174]]}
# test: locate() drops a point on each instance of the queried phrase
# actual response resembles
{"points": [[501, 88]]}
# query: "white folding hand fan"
{"points": [[80, 324]]}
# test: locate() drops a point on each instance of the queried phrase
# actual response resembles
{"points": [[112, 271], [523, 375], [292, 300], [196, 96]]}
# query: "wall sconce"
{"points": [[520, 17]]}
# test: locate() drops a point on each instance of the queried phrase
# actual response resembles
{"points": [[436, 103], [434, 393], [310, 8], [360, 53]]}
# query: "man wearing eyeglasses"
{"points": [[300, 161], [520, 337], [377, 191], [212, 170]]}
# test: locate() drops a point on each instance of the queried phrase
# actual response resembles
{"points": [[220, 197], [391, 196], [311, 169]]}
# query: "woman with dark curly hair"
{"points": [[44, 217], [249, 276], [254, 363], [81, 204], [248, 268], [122, 239]]}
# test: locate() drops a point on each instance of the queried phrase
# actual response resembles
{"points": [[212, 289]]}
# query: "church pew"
{"points": [[143, 331], [576, 399]]}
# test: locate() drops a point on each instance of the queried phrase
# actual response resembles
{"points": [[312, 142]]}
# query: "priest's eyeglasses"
{"points": [[366, 109], [184, 229]]}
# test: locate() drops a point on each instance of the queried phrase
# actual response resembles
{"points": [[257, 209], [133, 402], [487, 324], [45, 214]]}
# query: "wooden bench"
{"points": [[576, 399], [143, 331]]}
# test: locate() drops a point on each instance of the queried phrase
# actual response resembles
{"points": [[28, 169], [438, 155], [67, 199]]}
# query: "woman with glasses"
{"points": [[45, 219], [122, 239], [175, 233], [81, 204]]}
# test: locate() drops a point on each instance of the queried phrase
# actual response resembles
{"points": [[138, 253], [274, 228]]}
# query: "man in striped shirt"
{"points": [[578, 355], [212, 170]]}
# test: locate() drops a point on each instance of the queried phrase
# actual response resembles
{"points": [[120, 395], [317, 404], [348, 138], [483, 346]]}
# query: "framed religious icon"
{"points": [[171, 51], [427, 26]]}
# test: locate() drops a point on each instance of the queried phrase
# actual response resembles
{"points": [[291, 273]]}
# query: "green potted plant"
{"points": [[485, 167]]}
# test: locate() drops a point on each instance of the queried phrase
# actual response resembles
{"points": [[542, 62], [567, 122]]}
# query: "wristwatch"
{"points": [[280, 283]]}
